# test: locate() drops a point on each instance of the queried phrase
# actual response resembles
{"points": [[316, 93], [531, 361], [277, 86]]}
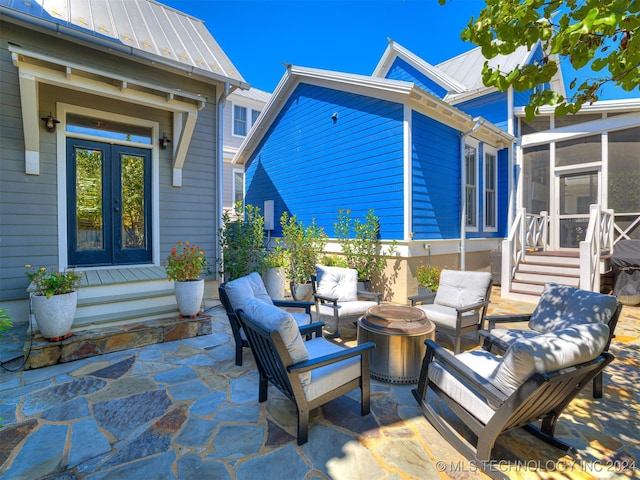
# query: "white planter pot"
{"points": [[189, 297], [274, 281], [55, 314], [302, 292]]}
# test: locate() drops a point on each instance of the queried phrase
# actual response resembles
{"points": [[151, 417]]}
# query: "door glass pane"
{"points": [[89, 207], [577, 192], [133, 227], [573, 231]]}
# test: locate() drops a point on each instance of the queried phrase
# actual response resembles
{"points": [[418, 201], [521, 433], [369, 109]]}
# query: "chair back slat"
{"points": [[268, 356]]}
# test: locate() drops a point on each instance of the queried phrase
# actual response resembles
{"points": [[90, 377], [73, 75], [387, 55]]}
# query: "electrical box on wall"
{"points": [[268, 214]]}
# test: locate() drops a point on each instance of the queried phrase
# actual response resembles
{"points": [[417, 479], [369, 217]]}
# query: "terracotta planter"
{"points": [[55, 314], [189, 297]]}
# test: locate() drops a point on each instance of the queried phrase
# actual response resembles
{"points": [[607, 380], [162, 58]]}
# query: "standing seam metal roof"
{"points": [[144, 25]]}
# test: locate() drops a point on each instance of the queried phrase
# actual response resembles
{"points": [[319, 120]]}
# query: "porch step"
{"points": [[121, 296]]}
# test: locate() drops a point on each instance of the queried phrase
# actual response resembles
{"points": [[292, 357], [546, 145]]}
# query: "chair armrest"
{"points": [[326, 299], [332, 358], [376, 296], [470, 378], [425, 298], [294, 304], [492, 341], [311, 328], [493, 319], [474, 306]]}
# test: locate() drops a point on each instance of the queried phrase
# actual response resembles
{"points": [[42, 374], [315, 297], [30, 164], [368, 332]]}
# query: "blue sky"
{"points": [[347, 36]]}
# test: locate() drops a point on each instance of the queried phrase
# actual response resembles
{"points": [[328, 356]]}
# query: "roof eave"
{"points": [[113, 47]]}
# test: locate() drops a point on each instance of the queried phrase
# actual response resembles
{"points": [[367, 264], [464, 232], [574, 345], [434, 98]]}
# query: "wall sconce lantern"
{"points": [[164, 141], [50, 122]]}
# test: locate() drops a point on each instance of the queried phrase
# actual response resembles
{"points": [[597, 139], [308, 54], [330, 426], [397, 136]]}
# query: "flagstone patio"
{"points": [[182, 409]]}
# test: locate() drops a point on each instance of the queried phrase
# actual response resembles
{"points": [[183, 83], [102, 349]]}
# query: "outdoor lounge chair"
{"points": [[460, 304], [534, 381], [559, 306], [235, 293], [309, 373], [338, 297]]}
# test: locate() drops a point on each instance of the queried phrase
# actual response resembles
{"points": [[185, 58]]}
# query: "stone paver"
{"points": [[182, 409]]}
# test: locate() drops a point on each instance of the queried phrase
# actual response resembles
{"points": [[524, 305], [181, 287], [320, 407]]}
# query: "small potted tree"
{"points": [[241, 241], [54, 298], [363, 250], [428, 277], [304, 247]]}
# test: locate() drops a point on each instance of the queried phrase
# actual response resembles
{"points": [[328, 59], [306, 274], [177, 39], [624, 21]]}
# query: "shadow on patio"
{"points": [[184, 410]]}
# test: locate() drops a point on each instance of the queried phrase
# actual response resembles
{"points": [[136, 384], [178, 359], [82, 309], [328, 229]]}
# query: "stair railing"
{"points": [[599, 239], [528, 232]]}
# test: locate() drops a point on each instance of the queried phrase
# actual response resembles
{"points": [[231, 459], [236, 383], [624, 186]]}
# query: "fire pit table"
{"points": [[399, 332]]}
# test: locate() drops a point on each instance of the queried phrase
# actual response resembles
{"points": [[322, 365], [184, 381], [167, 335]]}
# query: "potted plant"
{"points": [[428, 277], [304, 247], [241, 241], [184, 266], [54, 298], [362, 251], [275, 274]]}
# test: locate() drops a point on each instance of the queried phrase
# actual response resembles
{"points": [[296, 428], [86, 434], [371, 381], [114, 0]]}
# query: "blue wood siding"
{"points": [[401, 70], [436, 179], [313, 166], [493, 107]]}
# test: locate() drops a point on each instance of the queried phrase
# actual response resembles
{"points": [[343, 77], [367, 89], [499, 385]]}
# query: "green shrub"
{"points": [[429, 276]]}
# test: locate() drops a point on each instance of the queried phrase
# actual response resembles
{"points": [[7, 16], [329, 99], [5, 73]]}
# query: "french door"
{"points": [[108, 204], [576, 192]]}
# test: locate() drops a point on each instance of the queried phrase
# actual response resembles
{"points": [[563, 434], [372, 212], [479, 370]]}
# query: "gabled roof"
{"points": [[460, 76], [144, 29], [393, 90], [395, 50], [254, 94]]}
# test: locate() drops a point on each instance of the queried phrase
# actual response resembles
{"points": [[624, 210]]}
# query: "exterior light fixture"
{"points": [[50, 122], [164, 141]]}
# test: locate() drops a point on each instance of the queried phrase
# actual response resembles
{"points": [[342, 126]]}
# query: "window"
{"points": [[490, 187], [238, 186], [471, 185], [241, 121]]}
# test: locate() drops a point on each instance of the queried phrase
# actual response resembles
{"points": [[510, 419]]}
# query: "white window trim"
{"points": [[233, 184], [249, 109], [471, 142], [489, 150], [62, 110]]}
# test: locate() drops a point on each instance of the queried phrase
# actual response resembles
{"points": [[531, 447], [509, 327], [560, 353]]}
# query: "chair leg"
{"points": [[263, 386], [238, 354], [456, 345], [597, 386], [303, 425]]}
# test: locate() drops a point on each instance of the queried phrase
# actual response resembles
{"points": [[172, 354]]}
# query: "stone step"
{"points": [[545, 277], [91, 342], [556, 260], [530, 267]]}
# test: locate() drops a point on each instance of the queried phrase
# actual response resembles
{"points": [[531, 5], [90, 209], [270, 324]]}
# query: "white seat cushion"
{"points": [[345, 309], [561, 306], [447, 316], [481, 362], [329, 377], [301, 318], [509, 336], [271, 318], [337, 282], [548, 352]]}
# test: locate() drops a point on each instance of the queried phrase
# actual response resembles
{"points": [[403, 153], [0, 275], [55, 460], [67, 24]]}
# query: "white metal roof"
{"points": [[146, 27], [466, 68]]}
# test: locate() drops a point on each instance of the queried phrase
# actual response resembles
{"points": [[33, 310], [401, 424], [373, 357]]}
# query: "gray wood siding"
{"points": [[29, 203]]}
